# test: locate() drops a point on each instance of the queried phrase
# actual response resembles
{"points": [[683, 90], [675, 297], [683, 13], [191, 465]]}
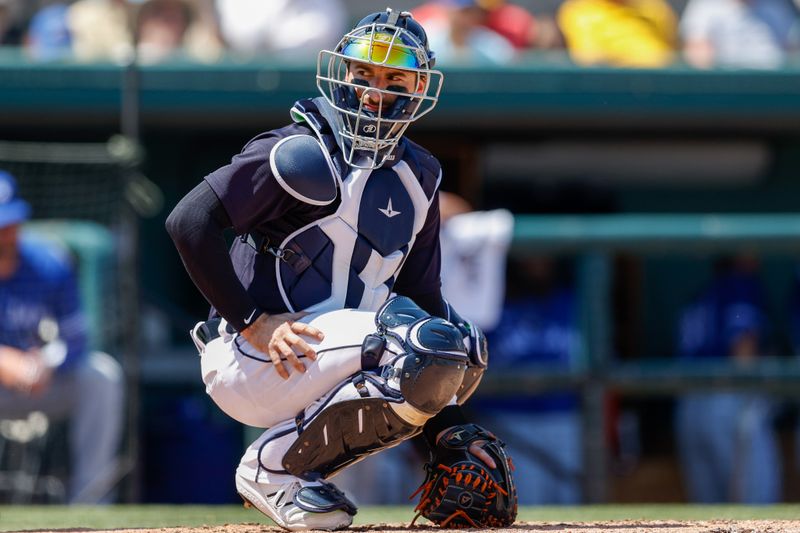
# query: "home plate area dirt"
{"points": [[624, 526]]}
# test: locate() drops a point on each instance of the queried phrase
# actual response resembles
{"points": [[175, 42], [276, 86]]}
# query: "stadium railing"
{"points": [[532, 94]]}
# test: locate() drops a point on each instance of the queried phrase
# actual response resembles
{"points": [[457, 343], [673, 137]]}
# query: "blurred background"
{"points": [[622, 222]]}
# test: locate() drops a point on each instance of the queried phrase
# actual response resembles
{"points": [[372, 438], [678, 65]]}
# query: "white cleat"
{"points": [[299, 505]]}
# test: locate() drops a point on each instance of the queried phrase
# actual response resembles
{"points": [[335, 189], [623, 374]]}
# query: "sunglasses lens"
{"points": [[382, 50]]}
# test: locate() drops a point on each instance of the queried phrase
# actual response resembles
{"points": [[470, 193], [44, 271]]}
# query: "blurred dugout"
{"points": [[81, 197]]}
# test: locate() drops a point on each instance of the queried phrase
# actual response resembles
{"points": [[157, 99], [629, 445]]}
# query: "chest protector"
{"points": [[351, 258]]}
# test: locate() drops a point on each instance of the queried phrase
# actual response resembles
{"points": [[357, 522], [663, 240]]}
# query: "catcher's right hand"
{"points": [[460, 490], [279, 337]]}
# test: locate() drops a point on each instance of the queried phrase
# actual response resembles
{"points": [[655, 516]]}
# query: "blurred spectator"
{"points": [[101, 30], [294, 27], [518, 25], [160, 29], [538, 329], [620, 33], [739, 33], [532, 323], [474, 248], [48, 35], [10, 22], [175, 28], [457, 32], [108, 30], [44, 362], [726, 442]]}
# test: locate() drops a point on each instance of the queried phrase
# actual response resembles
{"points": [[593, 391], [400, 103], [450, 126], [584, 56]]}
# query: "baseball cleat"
{"points": [[299, 505]]}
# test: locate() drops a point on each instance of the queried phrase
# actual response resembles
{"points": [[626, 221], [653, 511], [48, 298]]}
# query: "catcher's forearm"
{"points": [[196, 226]]}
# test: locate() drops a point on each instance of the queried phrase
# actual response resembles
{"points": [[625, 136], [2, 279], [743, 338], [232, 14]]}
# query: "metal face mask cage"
{"points": [[371, 137]]}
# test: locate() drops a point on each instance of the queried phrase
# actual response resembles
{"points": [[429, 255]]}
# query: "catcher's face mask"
{"points": [[379, 79]]}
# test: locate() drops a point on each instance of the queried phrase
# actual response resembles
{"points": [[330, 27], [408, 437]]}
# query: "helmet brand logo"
{"points": [[370, 128]]}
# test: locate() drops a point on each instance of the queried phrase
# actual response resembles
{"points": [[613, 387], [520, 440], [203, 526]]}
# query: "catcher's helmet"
{"points": [[386, 39]]}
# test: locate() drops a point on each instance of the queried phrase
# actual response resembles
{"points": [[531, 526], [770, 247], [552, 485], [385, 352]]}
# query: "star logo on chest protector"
{"points": [[389, 212]]}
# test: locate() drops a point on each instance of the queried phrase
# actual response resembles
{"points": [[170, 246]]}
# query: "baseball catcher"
{"points": [[335, 214]]}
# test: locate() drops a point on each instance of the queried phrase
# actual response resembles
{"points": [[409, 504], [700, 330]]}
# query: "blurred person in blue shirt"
{"points": [[49, 37], [726, 441], [45, 364], [538, 329]]}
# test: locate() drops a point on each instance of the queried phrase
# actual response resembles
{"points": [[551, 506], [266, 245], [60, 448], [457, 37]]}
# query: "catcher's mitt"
{"points": [[460, 490]]}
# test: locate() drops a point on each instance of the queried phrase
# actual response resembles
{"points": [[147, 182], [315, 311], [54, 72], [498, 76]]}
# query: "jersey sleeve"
{"points": [[247, 187], [421, 272]]}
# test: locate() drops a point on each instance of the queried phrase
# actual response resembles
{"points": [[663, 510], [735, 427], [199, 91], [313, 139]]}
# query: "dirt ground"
{"points": [[627, 526]]}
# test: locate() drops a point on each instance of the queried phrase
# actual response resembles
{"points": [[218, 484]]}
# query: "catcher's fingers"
{"points": [[291, 357], [300, 346], [301, 328], [308, 330], [275, 356], [476, 450]]}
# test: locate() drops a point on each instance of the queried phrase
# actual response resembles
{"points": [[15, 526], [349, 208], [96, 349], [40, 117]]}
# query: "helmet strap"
{"points": [[394, 16]]}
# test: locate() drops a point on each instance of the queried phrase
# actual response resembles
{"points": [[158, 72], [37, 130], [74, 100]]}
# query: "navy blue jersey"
{"points": [[258, 204], [43, 287]]}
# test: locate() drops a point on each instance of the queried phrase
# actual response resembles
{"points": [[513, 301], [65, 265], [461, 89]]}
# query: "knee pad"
{"points": [[434, 362], [431, 372]]}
